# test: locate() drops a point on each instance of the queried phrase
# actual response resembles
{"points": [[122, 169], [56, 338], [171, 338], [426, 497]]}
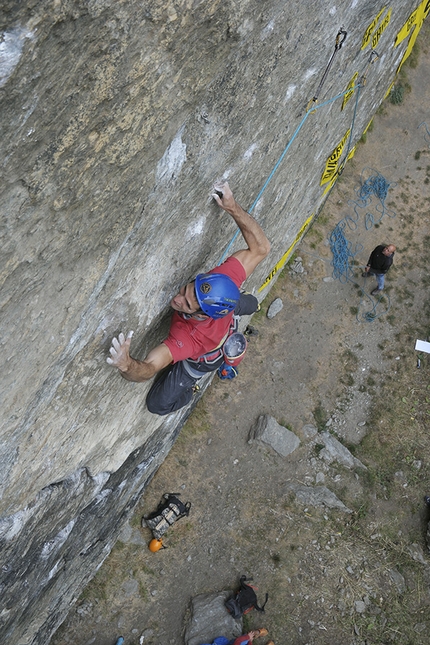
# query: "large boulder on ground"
{"points": [[267, 430], [336, 451], [209, 618], [317, 496]]}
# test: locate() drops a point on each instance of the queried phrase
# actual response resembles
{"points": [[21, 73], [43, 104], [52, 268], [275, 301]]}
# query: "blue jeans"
{"points": [[380, 279]]}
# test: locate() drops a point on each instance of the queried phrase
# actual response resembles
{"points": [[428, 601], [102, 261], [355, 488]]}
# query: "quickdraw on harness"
{"points": [[340, 39]]}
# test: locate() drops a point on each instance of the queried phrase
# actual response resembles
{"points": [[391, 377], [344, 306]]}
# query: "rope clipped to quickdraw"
{"points": [[340, 39], [372, 58], [376, 185]]}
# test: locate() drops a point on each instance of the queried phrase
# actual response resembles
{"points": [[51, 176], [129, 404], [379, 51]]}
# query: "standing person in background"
{"points": [[380, 261]]}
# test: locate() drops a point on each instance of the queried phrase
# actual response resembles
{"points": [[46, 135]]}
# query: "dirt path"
{"points": [[332, 577]]}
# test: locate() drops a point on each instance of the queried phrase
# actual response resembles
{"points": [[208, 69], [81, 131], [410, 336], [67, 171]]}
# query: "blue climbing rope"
{"points": [[342, 253], [376, 185], [371, 314], [278, 163]]}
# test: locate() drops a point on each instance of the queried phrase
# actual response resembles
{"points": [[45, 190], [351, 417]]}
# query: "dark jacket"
{"points": [[378, 262]]}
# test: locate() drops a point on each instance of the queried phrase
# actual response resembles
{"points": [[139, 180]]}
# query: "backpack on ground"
{"points": [[169, 510], [244, 600]]}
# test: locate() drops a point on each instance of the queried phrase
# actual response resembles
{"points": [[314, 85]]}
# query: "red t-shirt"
{"points": [[190, 338]]}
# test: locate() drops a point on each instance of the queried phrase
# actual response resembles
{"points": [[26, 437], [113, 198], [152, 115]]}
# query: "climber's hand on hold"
{"points": [[223, 196], [119, 352]]}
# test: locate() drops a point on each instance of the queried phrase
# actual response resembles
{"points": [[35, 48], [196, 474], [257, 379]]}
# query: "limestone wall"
{"points": [[116, 119]]}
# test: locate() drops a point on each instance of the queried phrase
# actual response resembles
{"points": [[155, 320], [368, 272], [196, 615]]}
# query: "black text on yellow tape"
{"points": [[287, 254], [349, 90], [416, 18], [415, 22], [370, 29], [332, 162], [382, 27]]}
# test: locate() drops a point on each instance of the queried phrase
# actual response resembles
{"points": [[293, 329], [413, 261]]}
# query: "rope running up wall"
{"points": [[311, 109]]}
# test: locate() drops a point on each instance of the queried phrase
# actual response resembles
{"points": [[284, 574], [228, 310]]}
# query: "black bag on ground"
{"points": [[169, 510], [244, 600]]}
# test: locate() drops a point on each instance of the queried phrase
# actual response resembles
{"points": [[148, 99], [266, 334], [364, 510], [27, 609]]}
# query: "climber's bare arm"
{"points": [[132, 369], [258, 244]]}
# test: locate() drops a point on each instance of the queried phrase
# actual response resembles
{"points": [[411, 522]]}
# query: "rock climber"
{"points": [[205, 314], [380, 261]]}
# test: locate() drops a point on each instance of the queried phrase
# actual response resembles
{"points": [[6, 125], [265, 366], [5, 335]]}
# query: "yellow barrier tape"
{"points": [[349, 90], [370, 29], [382, 27], [415, 22], [387, 93], [286, 255], [330, 185], [367, 126], [333, 160], [416, 18]]}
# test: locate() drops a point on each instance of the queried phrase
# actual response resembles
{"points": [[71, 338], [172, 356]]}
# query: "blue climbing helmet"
{"points": [[216, 294]]}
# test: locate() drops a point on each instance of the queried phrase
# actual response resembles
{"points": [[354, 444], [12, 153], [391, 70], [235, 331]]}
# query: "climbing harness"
{"points": [[340, 39]]}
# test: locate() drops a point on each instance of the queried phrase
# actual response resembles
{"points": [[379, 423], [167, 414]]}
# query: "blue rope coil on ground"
{"points": [[376, 185], [341, 250]]}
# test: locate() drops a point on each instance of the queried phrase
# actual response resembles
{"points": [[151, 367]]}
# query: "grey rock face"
{"points": [[116, 119], [209, 618], [53, 544], [267, 430]]}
